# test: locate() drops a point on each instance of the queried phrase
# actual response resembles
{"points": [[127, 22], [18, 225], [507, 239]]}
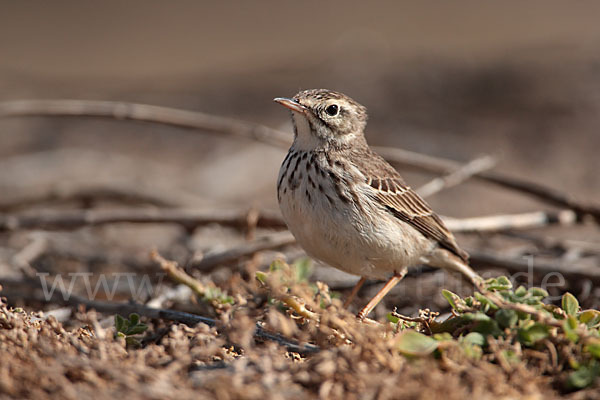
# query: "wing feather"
{"points": [[405, 204]]}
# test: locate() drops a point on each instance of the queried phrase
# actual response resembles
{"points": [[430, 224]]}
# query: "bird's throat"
{"points": [[305, 138]]}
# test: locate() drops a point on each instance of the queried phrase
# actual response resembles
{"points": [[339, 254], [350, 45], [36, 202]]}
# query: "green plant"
{"points": [[129, 328], [500, 321]]}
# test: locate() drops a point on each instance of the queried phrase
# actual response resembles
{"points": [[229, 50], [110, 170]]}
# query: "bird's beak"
{"points": [[291, 104]]}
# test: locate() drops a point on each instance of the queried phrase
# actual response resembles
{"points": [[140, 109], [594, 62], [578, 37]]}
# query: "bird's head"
{"points": [[325, 118]]}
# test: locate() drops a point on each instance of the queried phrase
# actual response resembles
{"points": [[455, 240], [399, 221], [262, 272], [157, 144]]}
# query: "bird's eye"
{"points": [[332, 110]]}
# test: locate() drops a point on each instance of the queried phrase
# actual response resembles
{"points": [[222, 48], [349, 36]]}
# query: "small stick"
{"points": [[30, 253], [147, 113], [298, 306], [78, 193], [189, 218], [177, 274], [457, 176], [511, 221], [268, 242], [440, 165]]}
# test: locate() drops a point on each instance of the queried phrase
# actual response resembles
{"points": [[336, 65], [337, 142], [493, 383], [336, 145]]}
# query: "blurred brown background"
{"points": [[518, 81]]}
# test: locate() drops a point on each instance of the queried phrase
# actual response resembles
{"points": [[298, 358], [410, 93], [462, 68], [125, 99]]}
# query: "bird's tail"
{"points": [[442, 258]]}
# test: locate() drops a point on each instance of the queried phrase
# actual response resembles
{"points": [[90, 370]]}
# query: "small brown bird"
{"points": [[348, 207]]}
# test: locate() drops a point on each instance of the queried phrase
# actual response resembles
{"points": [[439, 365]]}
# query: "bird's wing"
{"points": [[405, 204]]}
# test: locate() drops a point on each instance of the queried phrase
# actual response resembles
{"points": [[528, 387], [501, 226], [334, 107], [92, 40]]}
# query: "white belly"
{"points": [[365, 242]]}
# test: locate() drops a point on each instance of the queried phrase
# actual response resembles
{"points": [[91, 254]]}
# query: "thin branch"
{"points": [[511, 221], [34, 249], [192, 218], [189, 218], [178, 275], [457, 176], [274, 137], [297, 304], [146, 113], [586, 247], [179, 293], [85, 194], [440, 166], [268, 242]]}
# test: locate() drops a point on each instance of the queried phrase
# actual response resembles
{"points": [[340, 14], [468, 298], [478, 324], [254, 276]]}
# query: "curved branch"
{"points": [[188, 218]]}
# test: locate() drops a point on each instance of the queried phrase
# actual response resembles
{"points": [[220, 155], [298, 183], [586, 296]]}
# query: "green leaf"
{"points": [[570, 304], [593, 347], [533, 333], [453, 299], [131, 341], [134, 319], [521, 291], [569, 327], [506, 318], [488, 328], [120, 323], [499, 283], [582, 378], [390, 317], [487, 303], [590, 317], [538, 292], [510, 356], [413, 343], [216, 294], [476, 317], [303, 269], [440, 337], [137, 329], [469, 301], [483, 324], [472, 351], [261, 276], [277, 265], [474, 338]]}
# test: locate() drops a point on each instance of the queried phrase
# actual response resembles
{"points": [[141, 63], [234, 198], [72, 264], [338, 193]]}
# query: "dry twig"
{"points": [[511, 221], [65, 192], [457, 176], [30, 253], [268, 242], [440, 165], [147, 113], [178, 275], [193, 218], [189, 218]]}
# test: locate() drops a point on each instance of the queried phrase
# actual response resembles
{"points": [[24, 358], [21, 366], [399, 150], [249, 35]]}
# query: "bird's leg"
{"points": [[381, 294], [355, 290]]}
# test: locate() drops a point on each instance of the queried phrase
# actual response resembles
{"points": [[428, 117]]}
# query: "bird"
{"points": [[348, 207]]}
